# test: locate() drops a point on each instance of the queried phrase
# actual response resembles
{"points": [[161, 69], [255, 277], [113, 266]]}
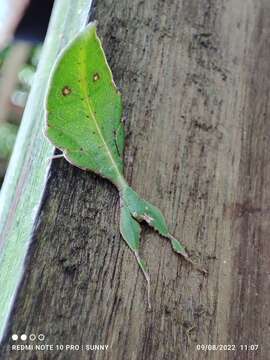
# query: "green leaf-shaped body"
{"points": [[84, 108]]}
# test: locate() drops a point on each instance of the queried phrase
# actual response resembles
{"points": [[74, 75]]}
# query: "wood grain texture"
{"points": [[195, 78]]}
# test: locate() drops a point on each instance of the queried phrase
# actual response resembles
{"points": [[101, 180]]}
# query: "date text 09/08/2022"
{"points": [[227, 347]]}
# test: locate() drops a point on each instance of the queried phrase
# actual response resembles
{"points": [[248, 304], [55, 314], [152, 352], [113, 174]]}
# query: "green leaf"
{"points": [[143, 210], [130, 229], [84, 108], [178, 247]]}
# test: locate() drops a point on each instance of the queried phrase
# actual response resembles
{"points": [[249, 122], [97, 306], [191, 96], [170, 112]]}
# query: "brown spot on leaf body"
{"points": [[66, 91], [96, 77]]}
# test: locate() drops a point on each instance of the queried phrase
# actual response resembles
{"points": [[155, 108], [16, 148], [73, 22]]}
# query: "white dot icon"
{"points": [[14, 337], [32, 337], [23, 337], [41, 337]]}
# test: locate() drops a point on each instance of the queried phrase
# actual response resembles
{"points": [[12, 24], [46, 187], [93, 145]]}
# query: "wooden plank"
{"points": [[23, 187], [195, 81]]}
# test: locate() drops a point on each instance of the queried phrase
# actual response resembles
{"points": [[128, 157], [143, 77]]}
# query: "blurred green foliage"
{"points": [[8, 130], [8, 134], [3, 54]]}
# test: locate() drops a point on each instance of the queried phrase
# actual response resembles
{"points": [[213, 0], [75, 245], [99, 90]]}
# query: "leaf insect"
{"points": [[83, 119]]}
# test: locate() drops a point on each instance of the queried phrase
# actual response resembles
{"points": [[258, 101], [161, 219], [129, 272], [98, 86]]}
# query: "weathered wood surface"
{"points": [[195, 77]]}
